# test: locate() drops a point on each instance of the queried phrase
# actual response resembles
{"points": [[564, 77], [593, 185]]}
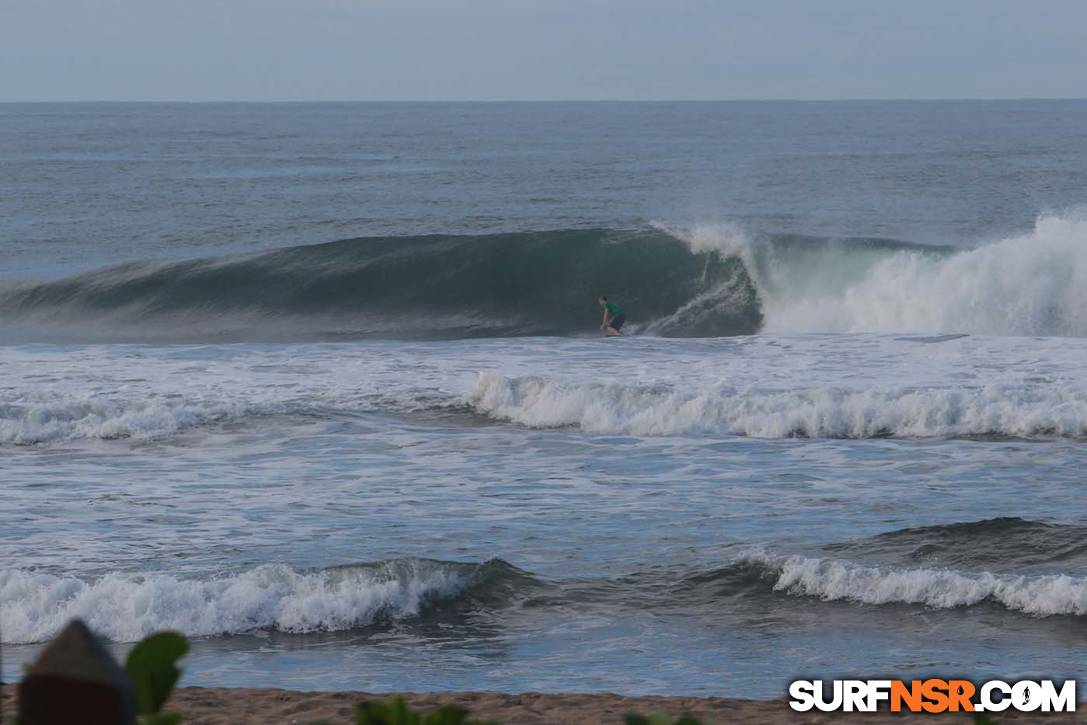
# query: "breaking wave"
{"points": [[1028, 284], [941, 567], [127, 607], [833, 580], [400, 287], [642, 410], [665, 410], [692, 282], [946, 566], [1042, 410], [48, 419]]}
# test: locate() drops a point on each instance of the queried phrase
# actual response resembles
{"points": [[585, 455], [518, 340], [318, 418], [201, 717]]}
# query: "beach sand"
{"points": [[245, 705]]}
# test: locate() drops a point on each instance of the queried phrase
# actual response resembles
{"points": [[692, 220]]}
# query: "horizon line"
{"points": [[891, 99]]}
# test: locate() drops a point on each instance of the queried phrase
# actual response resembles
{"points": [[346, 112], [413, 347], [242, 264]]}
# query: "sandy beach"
{"points": [[220, 705]]}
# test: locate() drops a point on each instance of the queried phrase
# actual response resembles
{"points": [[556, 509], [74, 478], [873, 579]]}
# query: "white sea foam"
{"points": [[831, 412], [65, 394], [1030, 284], [853, 386], [829, 579], [47, 420], [126, 607]]}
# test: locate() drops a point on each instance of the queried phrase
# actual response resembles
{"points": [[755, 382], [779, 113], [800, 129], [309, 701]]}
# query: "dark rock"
{"points": [[75, 680]]}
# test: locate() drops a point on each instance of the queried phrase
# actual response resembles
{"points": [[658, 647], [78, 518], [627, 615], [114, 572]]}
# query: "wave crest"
{"points": [[665, 410], [698, 281], [435, 286], [831, 580], [46, 419], [1028, 284], [127, 607]]}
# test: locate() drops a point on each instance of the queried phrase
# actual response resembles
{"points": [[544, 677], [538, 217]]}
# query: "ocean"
{"points": [[321, 387]]}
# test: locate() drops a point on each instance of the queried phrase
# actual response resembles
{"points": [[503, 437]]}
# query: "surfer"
{"points": [[614, 317]]}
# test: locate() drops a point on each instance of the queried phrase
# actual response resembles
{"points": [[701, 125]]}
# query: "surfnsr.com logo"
{"points": [[932, 695]]}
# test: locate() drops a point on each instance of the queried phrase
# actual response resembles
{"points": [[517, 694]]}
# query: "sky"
{"points": [[267, 50]]}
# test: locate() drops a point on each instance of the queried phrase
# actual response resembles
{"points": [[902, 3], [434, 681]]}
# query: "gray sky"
{"points": [[540, 49]]}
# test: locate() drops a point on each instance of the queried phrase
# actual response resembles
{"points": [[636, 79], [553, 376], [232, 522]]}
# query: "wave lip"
{"points": [[126, 607], [666, 410]]}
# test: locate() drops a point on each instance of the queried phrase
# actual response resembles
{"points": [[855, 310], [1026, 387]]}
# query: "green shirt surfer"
{"points": [[614, 317]]}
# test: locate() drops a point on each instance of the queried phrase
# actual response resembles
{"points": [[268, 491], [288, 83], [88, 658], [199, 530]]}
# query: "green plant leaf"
{"points": [[385, 713], [159, 718], [447, 715], [152, 667], [658, 719], [397, 712]]}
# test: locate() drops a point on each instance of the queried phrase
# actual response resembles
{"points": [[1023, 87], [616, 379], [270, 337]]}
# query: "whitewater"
{"points": [[766, 386], [1028, 284], [248, 468], [319, 386]]}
